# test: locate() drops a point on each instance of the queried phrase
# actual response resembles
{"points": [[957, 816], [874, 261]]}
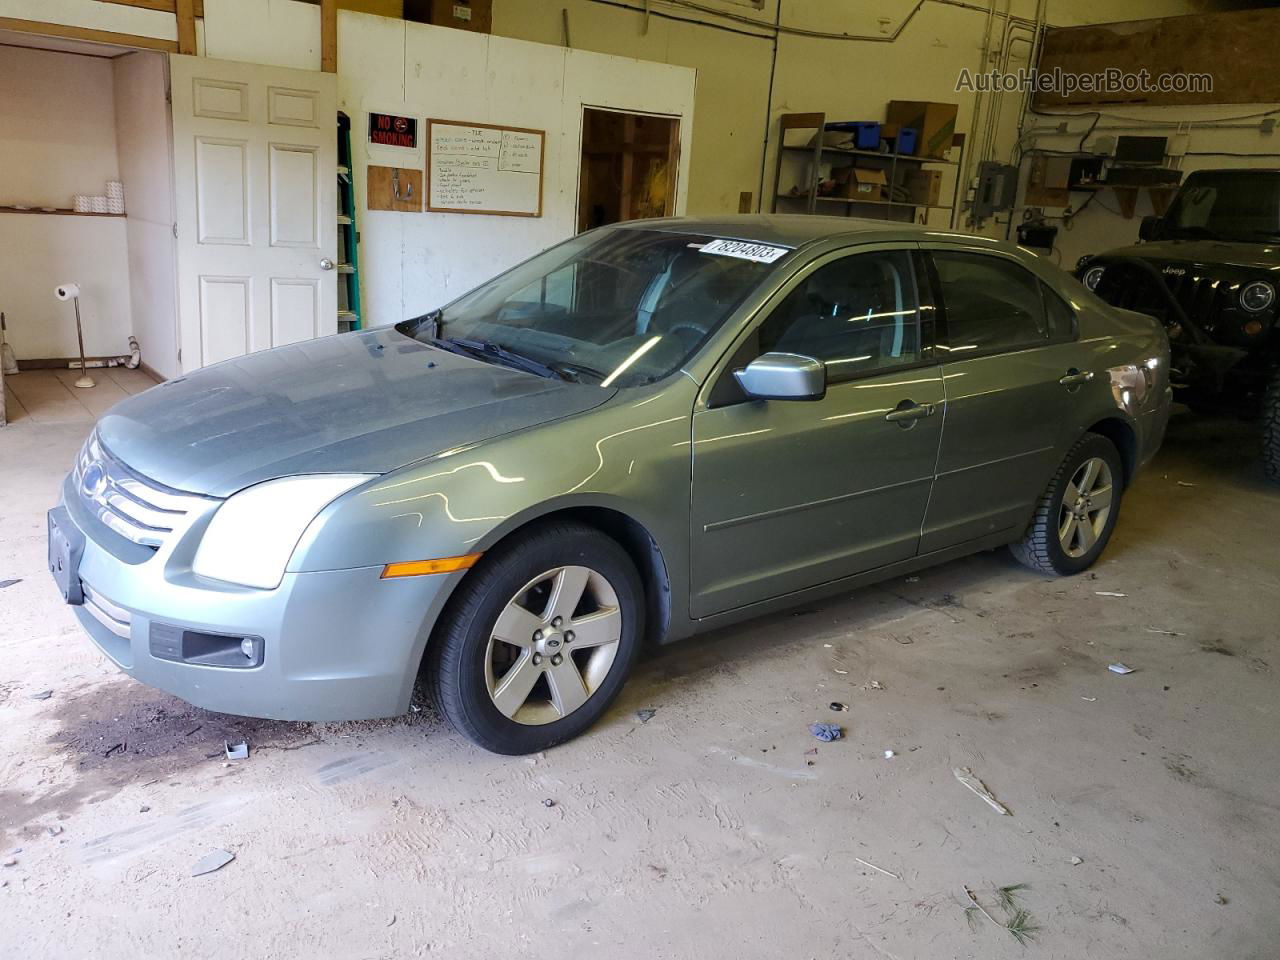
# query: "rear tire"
{"points": [[538, 639], [1077, 512], [1271, 428]]}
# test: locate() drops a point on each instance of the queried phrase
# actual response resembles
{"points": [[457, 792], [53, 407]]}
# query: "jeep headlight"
{"points": [[253, 534], [1257, 296], [1092, 276]]}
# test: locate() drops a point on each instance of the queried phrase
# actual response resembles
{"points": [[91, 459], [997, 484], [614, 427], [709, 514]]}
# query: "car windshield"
{"points": [[618, 307], [1234, 205]]}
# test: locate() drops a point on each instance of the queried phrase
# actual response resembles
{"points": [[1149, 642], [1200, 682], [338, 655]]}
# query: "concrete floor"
{"points": [[714, 829]]}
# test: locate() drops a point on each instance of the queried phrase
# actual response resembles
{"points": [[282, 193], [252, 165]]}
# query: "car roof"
{"points": [[797, 230]]}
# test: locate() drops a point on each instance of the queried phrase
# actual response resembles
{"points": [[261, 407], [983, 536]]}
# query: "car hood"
{"points": [[366, 402], [1252, 256]]}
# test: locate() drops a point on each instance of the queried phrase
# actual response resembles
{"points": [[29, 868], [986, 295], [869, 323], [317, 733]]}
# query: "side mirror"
{"points": [[783, 376], [1149, 229]]}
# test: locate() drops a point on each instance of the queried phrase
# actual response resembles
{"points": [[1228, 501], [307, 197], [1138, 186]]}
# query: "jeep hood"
{"points": [[357, 403], [1250, 256]]}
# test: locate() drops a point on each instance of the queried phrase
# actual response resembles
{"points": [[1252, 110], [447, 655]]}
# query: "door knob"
{"points": [[909, 410], [326, 264], [1074, 377]]}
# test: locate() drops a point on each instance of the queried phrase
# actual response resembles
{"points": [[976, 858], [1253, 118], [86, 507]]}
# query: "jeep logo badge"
{"points": [[1176, 271]]}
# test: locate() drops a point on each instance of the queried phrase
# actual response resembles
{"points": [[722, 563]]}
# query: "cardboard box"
{"points": [[935, 124], [866, 183], [473, 15], [923, 186]]}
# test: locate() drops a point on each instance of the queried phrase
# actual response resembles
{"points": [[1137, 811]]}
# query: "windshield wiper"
{"points": [[489, 350]]}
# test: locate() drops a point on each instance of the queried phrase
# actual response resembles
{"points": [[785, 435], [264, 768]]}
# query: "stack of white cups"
{"points": [[115, 196], [83, 204]]}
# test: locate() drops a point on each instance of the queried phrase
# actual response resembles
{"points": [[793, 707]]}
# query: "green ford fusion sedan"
{"points": [[649, 430]]}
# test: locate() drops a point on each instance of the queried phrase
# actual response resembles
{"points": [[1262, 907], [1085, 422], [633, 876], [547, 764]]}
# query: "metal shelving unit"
{"points": [[818, 154]]}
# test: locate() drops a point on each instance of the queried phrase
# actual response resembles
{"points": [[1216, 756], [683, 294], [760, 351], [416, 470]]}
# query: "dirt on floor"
{"points": [[701, 818]]}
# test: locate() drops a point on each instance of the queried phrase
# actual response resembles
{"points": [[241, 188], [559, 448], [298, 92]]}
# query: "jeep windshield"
{"points": [[1240, 205], [617, 307]]}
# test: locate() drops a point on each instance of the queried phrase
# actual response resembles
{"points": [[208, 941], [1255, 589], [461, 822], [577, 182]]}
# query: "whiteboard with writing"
{"points": [[481, 168]]}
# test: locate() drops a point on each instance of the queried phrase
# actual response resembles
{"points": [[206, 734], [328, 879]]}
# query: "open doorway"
{"points": [[629, 166]]}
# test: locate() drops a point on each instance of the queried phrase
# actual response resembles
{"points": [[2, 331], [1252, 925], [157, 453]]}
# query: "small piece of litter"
{"points": [[645, 714], [42, 695], [843, 673], [868, 863], [114, 747], [1183, 483], [1090, 699], [811, 752], [913, 579], [9, 583], [904, 640], [965, 776], [392, 921], [1119, 668], [1110, 593], [214, 860], [826, 732], [548, 802], [1163, 633], [1076, 861], [826, 646], [838, 706], [889, 754], [55, 830], [144, 809], [1220, 900], [11, 862], [236, 751], [876, 685]]}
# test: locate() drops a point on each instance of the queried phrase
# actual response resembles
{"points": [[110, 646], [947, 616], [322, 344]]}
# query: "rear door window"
{"points": [[991, 304]]}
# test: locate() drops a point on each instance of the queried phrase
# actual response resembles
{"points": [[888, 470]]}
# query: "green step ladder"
{"points": [[349, 315]]}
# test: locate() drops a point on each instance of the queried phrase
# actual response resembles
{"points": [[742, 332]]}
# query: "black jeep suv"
{"points": [[1209, 269]]}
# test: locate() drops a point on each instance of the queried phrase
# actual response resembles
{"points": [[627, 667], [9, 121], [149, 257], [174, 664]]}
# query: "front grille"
{"points": [[136, 508], [1203, 298]]}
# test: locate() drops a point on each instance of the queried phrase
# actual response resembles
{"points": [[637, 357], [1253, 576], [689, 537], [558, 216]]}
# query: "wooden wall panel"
{"points": [[1236, 48]]}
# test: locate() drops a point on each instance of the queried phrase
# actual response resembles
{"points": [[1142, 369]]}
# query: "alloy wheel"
{"points": [[552, 645], [1086, 505]]}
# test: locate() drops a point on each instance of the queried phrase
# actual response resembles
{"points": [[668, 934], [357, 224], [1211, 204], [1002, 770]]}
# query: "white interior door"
{"points": [[255, 172]]}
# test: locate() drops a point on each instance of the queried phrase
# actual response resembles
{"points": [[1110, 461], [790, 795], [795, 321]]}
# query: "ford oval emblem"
{"points": [[94, 481]]}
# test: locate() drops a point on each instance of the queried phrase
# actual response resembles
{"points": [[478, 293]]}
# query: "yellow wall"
{"points": [[848, 79]]}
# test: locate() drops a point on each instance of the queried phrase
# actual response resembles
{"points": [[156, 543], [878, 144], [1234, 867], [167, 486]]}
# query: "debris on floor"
{"points": [[144, 809], [1018, 921], [1076, 861], [1164, 633], [236, 751], [890, 754], [55, 830], [42, 695], [843, 673], [122, 747], [826, 732], [1119, 668], [1110, 593], [11, 861], [966, 777], [645, 714], [9, 583], [868, 863], [837, 706], [876, 685], [214, 860], [548, 802]]}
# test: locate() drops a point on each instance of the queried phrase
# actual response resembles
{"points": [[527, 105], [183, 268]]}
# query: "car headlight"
{"points": [[1130, 383], [1257, 296], [1092, 276], [252, 535]]}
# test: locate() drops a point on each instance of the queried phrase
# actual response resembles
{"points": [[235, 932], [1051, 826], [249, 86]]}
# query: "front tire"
{"points": [[1271, 428], [1075, 516], [539, 639]]}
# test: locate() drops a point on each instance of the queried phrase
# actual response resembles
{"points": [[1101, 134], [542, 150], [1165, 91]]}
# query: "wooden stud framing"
{"points": [[329, 36], [164, 6], [186, 14]]}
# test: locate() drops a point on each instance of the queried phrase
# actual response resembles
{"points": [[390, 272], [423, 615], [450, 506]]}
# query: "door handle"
{"points": [[326, 264], [1075, 377], [909, 410]]}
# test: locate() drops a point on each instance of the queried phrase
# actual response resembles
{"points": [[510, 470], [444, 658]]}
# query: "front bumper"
{"points": [[335, 645]]}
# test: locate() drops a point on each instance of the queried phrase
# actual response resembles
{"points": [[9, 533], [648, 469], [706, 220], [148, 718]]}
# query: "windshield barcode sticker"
{"points": [[759, 252]]}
